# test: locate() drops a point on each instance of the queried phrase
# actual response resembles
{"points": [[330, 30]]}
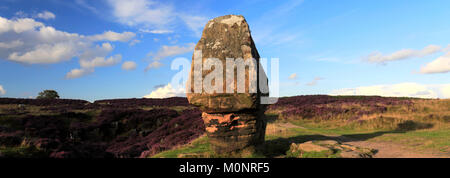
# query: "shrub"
{"points": [[48, 94]]}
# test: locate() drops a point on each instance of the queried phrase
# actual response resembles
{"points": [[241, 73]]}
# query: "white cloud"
{"points": [[440, 65], [92, 58], [46, 15], [445, 91], [155, 31], [33, 42], [293, 76], [88, 65], [84, 4], [152, 16], [129, 65], [101, 61], [20, 14], [166, 92], [114, 36], [195, 23], [134, 42], [2, 91], [167, 51], [27, 41], [142, 12], [399, 90], [11, 44], [314, 82], [377, 57], [77, 73], [18, 25], [153, 65], [45, 53], [98, 50]]}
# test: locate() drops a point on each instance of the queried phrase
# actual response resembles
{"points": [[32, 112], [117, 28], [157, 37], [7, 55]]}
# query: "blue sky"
{"points": [[342, 47]]}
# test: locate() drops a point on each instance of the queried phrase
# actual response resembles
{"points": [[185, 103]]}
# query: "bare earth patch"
{"points": [[392, 150]]}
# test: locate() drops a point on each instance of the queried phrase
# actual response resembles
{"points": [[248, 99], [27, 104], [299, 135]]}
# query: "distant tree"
{"points": [[48, 94]]}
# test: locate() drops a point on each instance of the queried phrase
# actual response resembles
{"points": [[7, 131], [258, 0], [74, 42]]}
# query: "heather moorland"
{"points": [[129, 128]]}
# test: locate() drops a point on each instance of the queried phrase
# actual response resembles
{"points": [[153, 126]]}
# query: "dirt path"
{"points": [[386, 149], [392, 150], [389, 149]]}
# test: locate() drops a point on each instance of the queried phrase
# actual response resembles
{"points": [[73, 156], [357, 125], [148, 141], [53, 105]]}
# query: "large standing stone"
{"points": [[234, 120]]}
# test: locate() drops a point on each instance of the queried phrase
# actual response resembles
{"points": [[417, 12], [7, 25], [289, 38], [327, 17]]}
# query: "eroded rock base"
{"points": [[234, 132]]}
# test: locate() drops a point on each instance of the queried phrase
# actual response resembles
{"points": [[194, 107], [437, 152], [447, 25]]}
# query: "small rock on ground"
{"points": [[331, 147]]}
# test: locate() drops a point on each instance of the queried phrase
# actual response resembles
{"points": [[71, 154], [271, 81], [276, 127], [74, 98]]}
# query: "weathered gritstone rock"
{"points": [[234, 120], [330, 148], [235, 131]]}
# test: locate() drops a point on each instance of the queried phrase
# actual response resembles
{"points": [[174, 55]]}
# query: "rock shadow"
{"points": [[279, 146]]}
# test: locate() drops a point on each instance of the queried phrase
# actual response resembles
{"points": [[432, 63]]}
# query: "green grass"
{"points": [[276, 144], [438, 140], [313, 154], [198, 148], [423, 126], [322, 154], [200, 145], [412, 136], [22, 152], [330, 128]]}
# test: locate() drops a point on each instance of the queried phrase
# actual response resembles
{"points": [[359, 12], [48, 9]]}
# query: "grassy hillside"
{"points": [[416, 125], [173, 128]]}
